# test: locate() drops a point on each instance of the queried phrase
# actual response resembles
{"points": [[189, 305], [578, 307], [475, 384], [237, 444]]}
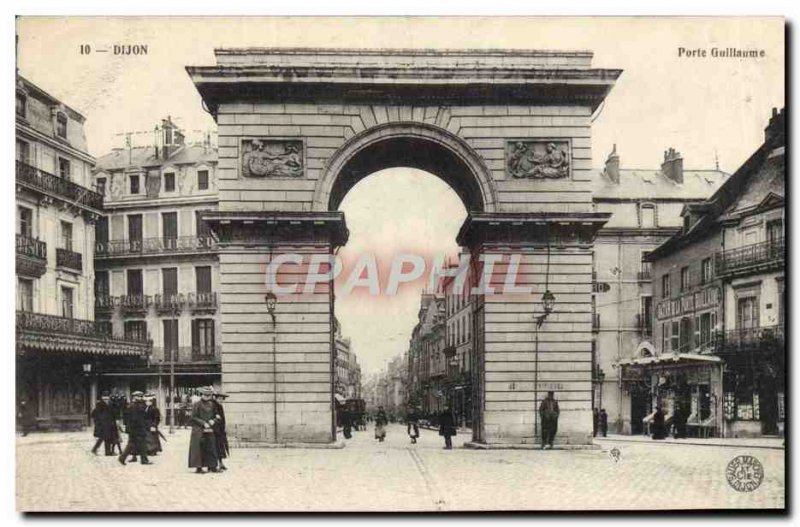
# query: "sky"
{"points": [[706, 108]]}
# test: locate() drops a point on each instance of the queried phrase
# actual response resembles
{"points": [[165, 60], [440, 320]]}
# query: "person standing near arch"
{"points": [[548, 412]]}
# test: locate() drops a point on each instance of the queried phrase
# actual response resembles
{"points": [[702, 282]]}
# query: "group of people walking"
{"points": [[140, 419]]}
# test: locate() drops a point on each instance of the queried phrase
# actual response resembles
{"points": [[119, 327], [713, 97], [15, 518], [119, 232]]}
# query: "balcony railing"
{"points": [[644, 275], [44, 181], [196, 354], [172, 302], [752, 339], [95, 332], [31, 247], [202, 301], [69, 259], [134, 304], [749, 256], [155, 246]]}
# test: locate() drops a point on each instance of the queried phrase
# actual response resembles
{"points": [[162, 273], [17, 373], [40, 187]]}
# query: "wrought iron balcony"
{"points": [[154, 246], [134, 304], [192, 354], [645, 275], [762, 338], [42, 181], [750, 258], [171, 303], [31, 256], [69, 259], [206, 301], [37, 331], [104, 303]]}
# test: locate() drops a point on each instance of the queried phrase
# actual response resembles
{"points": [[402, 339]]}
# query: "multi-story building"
{"points": [[458, 351], [646, 209], [59, 346], [426, 360], [719, 340], [157, 264], [347, 380]]}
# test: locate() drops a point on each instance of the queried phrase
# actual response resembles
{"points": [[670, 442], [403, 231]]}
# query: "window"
{"points": [[135, 285], [135, 330], [169, 182], [67, 302], [169, 228], [134, 179], [64, 168], [61, 125], [665, 337], [203, 230], [665, 286], [22, 103], [775, 231], [203, 338], [23, 152], [66, 235], [170, 339], [675, 338], [101, 230], [706, 271], [646, 315], [684, 279], [25, 216], [101, 284], [169, 281], [646, 268], [100, 186], [747, 312], [647, 215], [135, 228], [25, 295], [203, 276], [202, 180]]}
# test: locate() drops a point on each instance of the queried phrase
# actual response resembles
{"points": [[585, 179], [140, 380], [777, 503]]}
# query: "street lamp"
{"points": [[548, 303], [272, 303]]}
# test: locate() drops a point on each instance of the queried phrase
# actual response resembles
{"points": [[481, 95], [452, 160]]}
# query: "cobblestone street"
{"points": [[367, 475]]}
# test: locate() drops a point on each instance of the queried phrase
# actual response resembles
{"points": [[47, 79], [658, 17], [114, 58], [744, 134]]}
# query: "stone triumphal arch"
{"points": [[509, 131]]}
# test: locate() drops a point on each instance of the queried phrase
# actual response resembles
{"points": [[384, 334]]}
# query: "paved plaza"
{"points": [[56, 472]]}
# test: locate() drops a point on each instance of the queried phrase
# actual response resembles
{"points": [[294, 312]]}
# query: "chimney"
{"points": [[169, 138], [612, 166], [672, 167], [776, 129]]}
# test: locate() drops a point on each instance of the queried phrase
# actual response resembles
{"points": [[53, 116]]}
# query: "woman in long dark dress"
{"points": [[223, 450], [659, 426], [153, 417]]}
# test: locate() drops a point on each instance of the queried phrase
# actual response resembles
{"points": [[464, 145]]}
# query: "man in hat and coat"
{"points": [[447, 427], [220, 434], [105, 426], [548, 413], [203, 444], [136, 428], [153, 416]]}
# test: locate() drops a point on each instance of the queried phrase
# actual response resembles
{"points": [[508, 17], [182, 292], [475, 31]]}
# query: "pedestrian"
{"points": [[220, 434], [153, 417], [136, 428], [603, 422], [105, 427], [595, 421], [347, 423], [203, 444], [679, 419], [380, 425], [447, 427], [413, 427], [548, 413], [659, 426], [26, 417]]}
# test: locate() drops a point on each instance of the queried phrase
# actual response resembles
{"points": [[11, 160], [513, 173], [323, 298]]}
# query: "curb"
{"points": [[693, 443], [515, 446]]}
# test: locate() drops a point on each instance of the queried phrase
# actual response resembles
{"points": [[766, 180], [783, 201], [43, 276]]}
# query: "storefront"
{"points": [[687, 388]]}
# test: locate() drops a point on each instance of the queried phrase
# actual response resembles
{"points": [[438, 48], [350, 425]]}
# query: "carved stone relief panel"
{"points": [[278, 158], [538, 159]]}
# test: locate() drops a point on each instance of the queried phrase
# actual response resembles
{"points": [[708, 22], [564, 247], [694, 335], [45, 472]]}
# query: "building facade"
{"points": [[157, 265], [646, 207], [348, 371], [719, 354], [427, 370], [60, 347], [458, 352]]}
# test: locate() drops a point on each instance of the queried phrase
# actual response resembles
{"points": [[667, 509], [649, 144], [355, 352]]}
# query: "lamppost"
{"points": [[548, 303], [272, 302]]}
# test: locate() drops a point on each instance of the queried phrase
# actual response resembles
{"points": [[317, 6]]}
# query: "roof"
{"points": [[121, 158], [653, 184], [36, 91]]}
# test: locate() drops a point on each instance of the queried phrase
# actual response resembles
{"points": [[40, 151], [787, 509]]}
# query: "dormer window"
{"points": [[61, 125], [169, 182], [22, 103], [647, 215]]}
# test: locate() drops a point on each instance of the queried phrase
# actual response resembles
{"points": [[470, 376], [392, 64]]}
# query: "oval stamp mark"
{"points": [[744, 473]]}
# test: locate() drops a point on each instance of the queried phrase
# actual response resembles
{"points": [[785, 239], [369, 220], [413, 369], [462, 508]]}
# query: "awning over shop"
{"points": [[671, 359]]}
